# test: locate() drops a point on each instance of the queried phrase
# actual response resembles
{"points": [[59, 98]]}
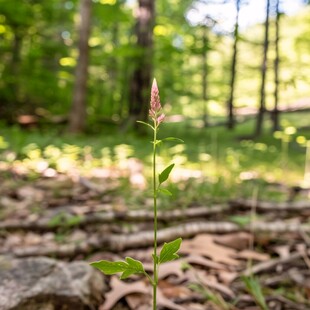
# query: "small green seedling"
{"points": [[169, 250]]}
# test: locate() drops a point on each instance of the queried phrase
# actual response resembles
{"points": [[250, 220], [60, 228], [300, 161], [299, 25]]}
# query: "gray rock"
{"points": [[41, 283]]}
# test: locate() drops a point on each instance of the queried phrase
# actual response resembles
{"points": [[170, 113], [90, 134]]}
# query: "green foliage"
{"points": [[164, 175], [214, 297], [254, 288], [64, 220], [165, 191], [39, 53], [169, 251], [128, 267], [241, 220]]}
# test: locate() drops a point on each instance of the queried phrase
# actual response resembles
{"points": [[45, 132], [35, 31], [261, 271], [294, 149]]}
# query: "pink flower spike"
{"points": [[155, 100], [160, 118]]}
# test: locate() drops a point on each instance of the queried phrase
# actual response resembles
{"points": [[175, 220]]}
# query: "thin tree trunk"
{"points": [[77, 117], [205, 74], [262, 107], [141, 78], [230, 103], [10, 74], [275, 113]]}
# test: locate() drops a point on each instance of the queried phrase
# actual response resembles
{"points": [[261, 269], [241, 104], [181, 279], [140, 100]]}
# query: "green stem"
{"points": [[155, 275]]}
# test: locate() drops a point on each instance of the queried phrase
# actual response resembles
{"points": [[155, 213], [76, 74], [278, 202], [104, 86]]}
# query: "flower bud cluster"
{"points": [[155, 111]]}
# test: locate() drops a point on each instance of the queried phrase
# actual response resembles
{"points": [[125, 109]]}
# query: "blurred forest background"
{"points": [[86, 67], [202, 58], [234, 79]]}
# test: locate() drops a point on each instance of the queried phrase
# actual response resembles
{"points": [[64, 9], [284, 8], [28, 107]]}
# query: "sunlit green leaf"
{"points": [[133, 266], [110, 268], [173, 139], [241, 220], [164, 175], [254, 288], [169, 251], [147, 124], [165, 191], [129, 267]]}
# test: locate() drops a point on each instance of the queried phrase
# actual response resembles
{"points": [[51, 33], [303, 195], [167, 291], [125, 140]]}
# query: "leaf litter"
{"points": [[206, 276]]}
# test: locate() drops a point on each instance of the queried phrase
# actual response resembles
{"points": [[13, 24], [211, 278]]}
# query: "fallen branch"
{"points": [[46, 224], [271, 206], [272, 264], [120, 242]]}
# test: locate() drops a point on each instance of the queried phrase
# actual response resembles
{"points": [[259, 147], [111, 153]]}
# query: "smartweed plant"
{"points": [[169, 250]]}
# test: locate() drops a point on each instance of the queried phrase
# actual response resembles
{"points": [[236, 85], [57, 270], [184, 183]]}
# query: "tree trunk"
{"points": [[275, 112], [205, 74], [142, 74], [261, 112], [11, 104], [230, 103], [77, 117]]}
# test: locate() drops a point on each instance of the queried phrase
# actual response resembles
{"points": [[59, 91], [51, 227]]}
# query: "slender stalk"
{"points": [[155, 275]]}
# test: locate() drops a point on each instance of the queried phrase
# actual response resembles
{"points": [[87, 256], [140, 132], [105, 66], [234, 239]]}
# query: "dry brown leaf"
{"points": [[171, 268], [139, 301], [283, 251], [166, 303], [173, 291], [237, 241], [120, 289], [195, 306], [205, 262], [210, 281], [298, 277], [204, 245], [252, 255], [29, 192], [14, 240], [227, 276], [32, 239]]}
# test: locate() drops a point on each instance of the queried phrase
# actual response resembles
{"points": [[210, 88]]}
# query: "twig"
{"points": [[293, 206], [44, 224], [120, 242]]}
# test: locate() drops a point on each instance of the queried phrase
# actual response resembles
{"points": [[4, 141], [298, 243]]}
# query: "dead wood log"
{"points": [[120, 242], [271, 206], [47, 224], [272, 264]]}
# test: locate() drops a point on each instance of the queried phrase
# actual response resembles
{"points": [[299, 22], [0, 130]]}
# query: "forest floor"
{"points": [[239, 254], [241, 206]]}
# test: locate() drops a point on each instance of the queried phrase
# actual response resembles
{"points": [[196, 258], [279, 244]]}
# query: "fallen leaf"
{"points": [[210, 281], [29, 192], [139, 301], [120, 289], [171, 268], [173, 291], [205, 262], [237, 241], [204, 245], [283, 251], [167, 303], [252, 255], [227, 276]]}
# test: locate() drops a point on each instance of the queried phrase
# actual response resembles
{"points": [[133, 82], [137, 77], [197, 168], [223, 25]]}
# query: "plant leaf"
{"points": [[241, 220], [165, 191], [155, 258], [164, 175], [158, 142], [129, 267], [173, 139], [254, 288], [109, 268], [133, 266], [169, 251], [147, 124]]}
